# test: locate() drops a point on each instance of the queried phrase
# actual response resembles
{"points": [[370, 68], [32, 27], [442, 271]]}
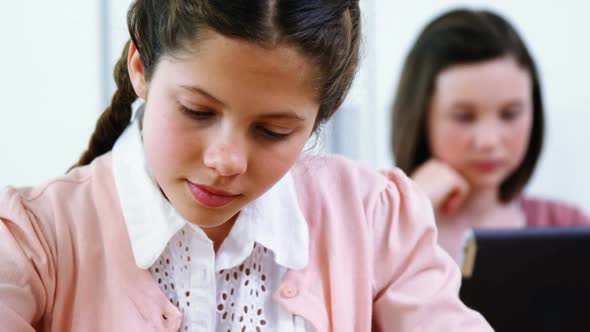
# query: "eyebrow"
{"points": [[199, 90], [515, 103], [466, 105], [461, 105], [288, 114]]}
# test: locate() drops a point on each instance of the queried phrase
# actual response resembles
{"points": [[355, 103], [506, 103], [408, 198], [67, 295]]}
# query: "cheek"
{"points": [[167, 146], [519, 140], [449, 143], [269, 165]]}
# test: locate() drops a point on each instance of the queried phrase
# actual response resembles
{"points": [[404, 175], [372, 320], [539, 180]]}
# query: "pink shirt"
{"points": [[66, 262]]}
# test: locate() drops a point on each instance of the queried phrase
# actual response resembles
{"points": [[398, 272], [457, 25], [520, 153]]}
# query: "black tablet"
{"points": [[535, 279]]}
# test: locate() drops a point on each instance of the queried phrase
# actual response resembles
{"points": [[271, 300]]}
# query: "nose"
{"points": [[487, 136], [226, 159]]}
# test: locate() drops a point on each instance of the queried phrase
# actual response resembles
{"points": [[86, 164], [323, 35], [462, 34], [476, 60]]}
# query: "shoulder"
{"points": [[59, 200], [16, 200], [63, 189], [338, 183], [335, 171], [541, 212]]}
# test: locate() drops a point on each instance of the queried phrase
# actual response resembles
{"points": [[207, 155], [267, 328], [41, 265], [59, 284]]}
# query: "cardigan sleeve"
{"points": [[416, 283], [25, 268]]}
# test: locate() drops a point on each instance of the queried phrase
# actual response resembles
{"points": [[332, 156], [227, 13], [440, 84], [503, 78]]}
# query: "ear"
{"points": [[135, 68]]}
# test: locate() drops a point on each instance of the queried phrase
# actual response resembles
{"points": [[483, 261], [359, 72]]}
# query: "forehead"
{"points": [[495, 80], [237, 71]]}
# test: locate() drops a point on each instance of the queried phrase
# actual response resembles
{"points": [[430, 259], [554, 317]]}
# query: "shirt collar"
{"points": [[274, 220]]}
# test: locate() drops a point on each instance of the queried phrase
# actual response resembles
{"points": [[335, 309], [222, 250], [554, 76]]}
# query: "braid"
{"points": [[115, 118]]}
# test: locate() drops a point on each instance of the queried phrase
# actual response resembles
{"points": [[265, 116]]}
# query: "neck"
{"points": [[485, 209], [218, 234], [482, 202]]}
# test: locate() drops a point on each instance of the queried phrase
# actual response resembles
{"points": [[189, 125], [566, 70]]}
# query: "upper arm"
{"points": [[416, 282], [24, 268]]}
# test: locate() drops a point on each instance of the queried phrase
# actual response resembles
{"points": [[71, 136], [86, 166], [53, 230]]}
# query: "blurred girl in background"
{"points": [[468, 126]]}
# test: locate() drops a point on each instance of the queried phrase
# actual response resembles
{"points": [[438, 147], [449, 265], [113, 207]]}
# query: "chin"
{"points": [[486, 183], [210, 217]]}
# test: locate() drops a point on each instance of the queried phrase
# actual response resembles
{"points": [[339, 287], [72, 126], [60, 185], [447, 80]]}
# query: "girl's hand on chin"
{"points": [[445, 187]]}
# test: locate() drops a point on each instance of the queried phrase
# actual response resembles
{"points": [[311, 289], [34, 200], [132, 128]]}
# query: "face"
{"points": [[480, 119], [224, 123]]}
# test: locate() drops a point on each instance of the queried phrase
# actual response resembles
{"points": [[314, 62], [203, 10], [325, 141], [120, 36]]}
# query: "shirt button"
{"points": [[204, 274], [289, 292]]}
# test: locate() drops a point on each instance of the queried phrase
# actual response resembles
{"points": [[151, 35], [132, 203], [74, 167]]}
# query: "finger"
{"points": [[455, 199]]}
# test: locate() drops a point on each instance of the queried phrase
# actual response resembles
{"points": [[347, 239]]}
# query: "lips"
{"points": [[210, 197], [487, 166]]}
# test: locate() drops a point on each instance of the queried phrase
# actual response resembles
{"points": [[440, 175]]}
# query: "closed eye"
{"points": [[463, 117], [273, 134], [197, 114], [510, 114]]}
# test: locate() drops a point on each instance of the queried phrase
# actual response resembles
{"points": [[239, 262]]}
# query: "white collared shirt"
{"points": [[227, 291]]}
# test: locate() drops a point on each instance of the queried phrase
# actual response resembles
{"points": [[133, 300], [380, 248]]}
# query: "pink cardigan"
{"points": [[66, 262], [551, 213]]}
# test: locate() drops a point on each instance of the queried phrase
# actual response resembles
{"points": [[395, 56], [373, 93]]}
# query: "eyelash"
{"points": [[199, 115], [464, 117], [206, 115], [510, 115], [272, 135], [506, 115]]}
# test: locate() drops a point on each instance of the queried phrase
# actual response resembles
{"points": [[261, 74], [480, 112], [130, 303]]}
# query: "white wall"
{"points": [[49, 86]]}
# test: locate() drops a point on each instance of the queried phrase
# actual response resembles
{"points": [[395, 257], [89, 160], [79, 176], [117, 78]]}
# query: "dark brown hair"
{"points": [[326, 31], [457, 37]]}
